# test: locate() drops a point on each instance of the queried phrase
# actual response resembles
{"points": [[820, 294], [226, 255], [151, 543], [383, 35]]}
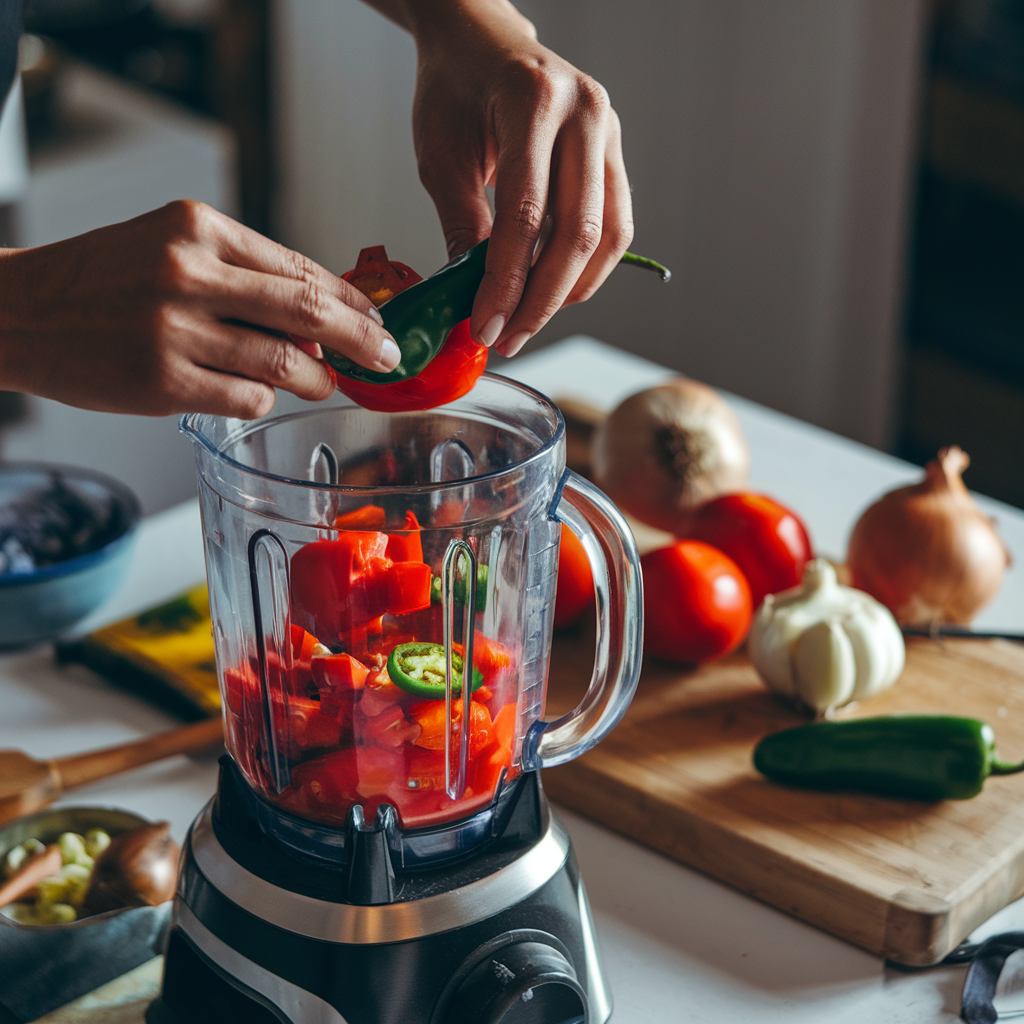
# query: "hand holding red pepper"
{"points": [[179, 310]]}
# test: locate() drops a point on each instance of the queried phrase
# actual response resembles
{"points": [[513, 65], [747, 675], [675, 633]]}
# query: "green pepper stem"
{"points": [[643, 261], [1005, 768]]}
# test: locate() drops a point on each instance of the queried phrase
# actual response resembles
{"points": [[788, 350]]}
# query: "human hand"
{"points": [[494, 107], [163, 314]]}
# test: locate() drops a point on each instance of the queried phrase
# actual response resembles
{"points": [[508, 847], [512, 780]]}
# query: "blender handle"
{"points": [[615, 563]]}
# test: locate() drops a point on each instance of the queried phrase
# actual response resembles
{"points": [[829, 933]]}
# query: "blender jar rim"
{"points": [[185, 425]]}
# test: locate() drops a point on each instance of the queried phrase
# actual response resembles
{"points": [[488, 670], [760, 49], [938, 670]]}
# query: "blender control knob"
{"points": [[521, 983]]}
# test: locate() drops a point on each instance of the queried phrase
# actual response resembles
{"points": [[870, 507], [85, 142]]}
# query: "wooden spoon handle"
{"points": [[79, 769], [46, 862]]}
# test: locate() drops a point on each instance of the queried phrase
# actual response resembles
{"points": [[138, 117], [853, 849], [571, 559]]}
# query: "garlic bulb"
{"points": [[825, 644]]}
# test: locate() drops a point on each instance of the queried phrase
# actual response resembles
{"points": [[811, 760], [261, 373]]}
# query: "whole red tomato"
{"points": [[696, 602], [449, 375], [575, 591], [767, 541]]}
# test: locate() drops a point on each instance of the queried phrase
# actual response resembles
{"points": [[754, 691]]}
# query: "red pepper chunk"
{"points": [[406, 546], [369, 517], [344, 584], [336, 675]]}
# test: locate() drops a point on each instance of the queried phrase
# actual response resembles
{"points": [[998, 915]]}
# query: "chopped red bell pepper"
{"points": [[369, 517], [406, 545], [407, 582], [345, 584], [336, 674]]}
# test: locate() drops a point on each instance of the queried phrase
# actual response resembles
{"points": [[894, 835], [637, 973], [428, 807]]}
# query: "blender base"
{"points": [[514, 945]]}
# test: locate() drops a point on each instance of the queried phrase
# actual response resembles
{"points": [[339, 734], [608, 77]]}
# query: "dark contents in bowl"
{"points": [[54, 523]]}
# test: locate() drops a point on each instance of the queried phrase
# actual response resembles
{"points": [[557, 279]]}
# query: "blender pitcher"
{"points": [[382, 590]]}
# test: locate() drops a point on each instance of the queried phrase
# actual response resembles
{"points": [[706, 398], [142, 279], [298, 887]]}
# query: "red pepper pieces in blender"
{"points": [[341, 585]]}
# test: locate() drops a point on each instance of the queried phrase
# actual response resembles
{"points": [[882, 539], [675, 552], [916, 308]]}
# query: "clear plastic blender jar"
{"points": [[382, 589]]}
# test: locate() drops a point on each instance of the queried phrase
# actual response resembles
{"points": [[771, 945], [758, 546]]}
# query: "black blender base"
{"points": [[519, 976], [512, 945]]}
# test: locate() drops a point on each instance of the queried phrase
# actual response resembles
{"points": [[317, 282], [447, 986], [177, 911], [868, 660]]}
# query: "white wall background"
{"points": [[768, 143]]}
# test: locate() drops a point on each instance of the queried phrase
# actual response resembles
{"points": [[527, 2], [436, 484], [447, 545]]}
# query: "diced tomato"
{"points": [[505, 726], [430, 716], [486, 768], [327, 786], [336, 674], [426, 770], [389, 728], [379, 694], [342, 777], [407, 545], [310, 725]]}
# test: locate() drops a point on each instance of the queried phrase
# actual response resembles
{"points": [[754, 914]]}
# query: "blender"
{"points": [[380, 850]]}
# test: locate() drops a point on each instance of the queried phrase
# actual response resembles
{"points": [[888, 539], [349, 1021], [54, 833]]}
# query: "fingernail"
{"points": [[491, 329], [514, 344], [374, 313], [390, 354]]}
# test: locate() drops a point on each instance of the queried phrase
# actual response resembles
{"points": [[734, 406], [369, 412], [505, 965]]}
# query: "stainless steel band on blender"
{"points": [[389, 922]]}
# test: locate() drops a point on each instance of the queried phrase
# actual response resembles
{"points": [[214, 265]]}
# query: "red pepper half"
{"points": [[451, 374]]}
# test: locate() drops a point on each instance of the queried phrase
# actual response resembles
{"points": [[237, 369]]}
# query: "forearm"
{"points": [[426, 18], [13, 348]]}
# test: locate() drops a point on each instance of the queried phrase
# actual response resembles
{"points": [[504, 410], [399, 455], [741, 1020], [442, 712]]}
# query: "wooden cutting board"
{"points": [[902, 879]]}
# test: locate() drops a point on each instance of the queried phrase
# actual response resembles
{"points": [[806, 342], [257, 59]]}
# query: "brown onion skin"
{"points": [[926, 551], [668, 449], [139, 868]]}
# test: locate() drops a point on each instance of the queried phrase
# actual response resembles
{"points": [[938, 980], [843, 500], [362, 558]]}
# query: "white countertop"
{"points": [[678, 946]]}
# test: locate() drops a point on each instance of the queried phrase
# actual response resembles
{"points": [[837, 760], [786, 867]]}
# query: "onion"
{"points": [[926, 551], [666, 450]]}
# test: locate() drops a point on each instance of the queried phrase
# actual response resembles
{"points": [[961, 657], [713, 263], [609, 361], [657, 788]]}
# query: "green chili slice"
{"points": [[437, 588], [419, 669]]}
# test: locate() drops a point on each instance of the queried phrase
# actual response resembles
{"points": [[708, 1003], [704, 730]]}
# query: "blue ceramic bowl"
{"points": [[43, 604]]}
